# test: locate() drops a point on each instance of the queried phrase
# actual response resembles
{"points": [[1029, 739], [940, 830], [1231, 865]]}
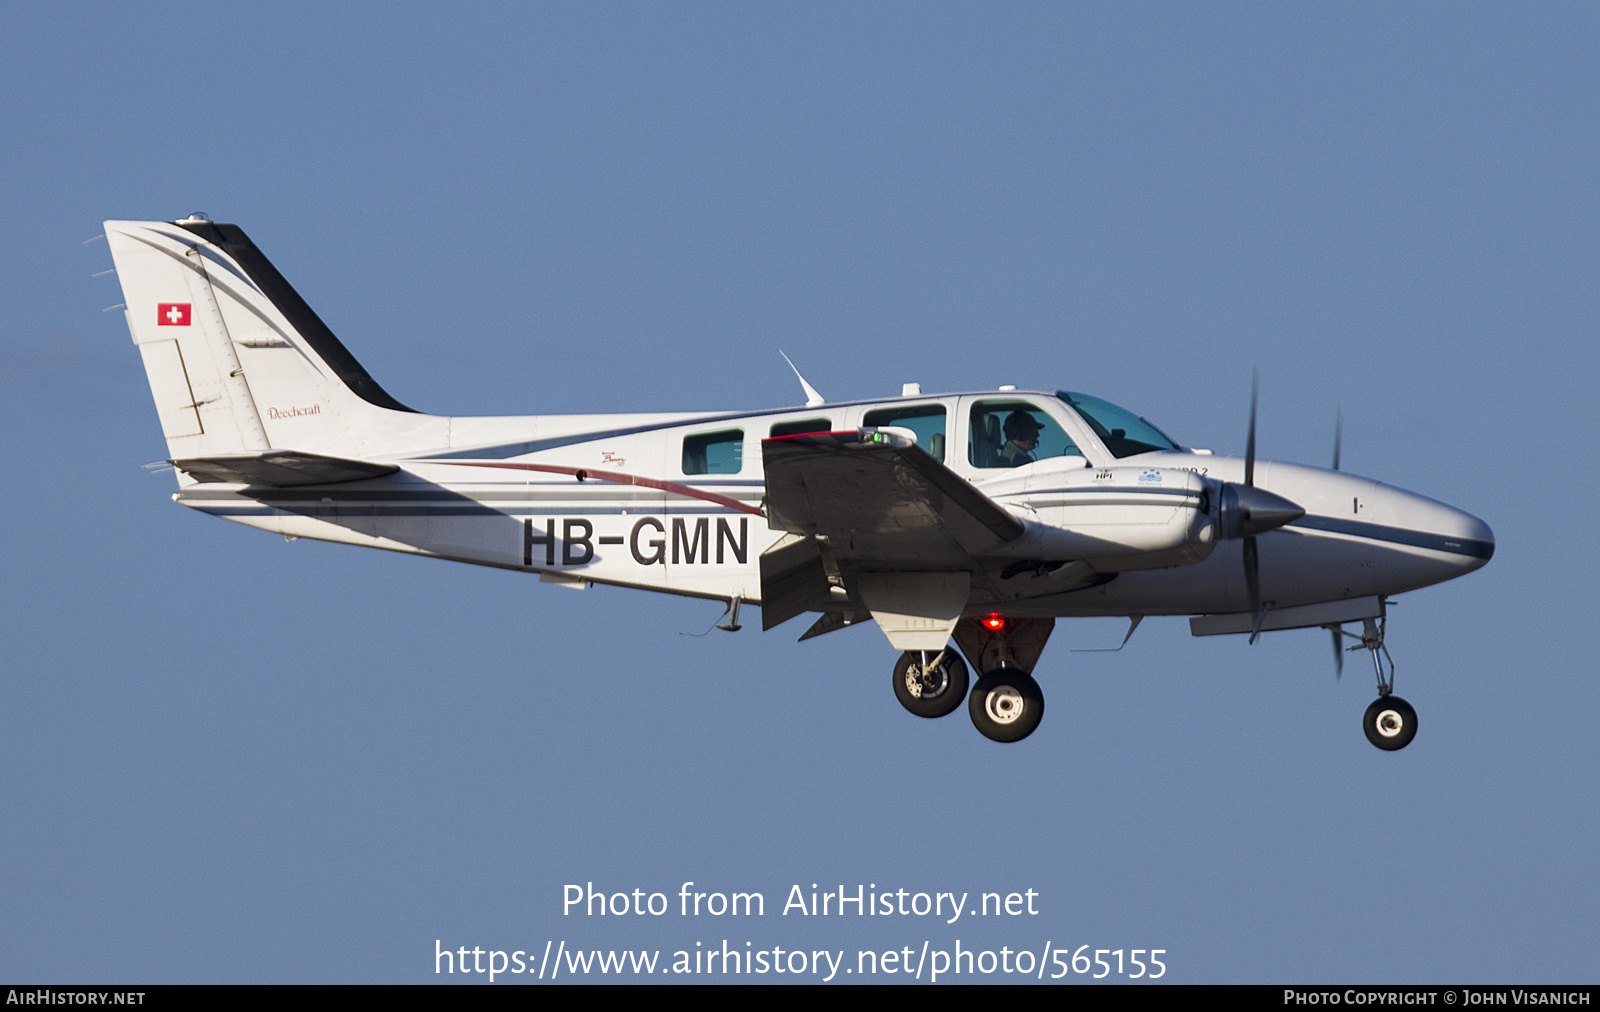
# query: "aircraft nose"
{"points": [[1478, 531], [1464, 537]]}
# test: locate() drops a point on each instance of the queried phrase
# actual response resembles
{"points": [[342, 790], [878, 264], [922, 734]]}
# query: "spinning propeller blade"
{"points": [[1335, 631], [1338, 441], [1250, 441], [1247, 511], [1338, 644], [1252, 582], [1252, 557]]}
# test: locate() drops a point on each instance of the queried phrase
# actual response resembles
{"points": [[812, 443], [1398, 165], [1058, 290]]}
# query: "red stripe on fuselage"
{"points": [[613, 476], [807, 435]]}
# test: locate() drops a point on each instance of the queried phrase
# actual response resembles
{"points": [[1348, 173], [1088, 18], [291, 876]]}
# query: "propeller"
{"points": [[1335, 632], [1250, 439], [1248, 512], [1338, 435], [1252, 555]]}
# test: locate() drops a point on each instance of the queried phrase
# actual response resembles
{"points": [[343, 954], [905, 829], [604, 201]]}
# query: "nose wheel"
{"points": [[928, 684], [1006, 705], [1390, 723]]}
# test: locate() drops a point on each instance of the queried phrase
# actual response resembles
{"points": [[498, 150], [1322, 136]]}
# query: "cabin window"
{"points": [[802, 426], [926, 420], [714, 452], [1010, 433]]}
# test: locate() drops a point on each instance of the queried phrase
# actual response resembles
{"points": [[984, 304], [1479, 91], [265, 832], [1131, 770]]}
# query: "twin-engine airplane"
{"points": [[974, 517]]}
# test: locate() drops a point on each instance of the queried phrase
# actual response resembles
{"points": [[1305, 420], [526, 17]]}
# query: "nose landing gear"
{"points": [[1390, 722]]}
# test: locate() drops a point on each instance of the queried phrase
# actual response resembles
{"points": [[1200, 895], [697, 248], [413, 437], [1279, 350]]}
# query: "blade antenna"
{"points": [[1338, 439], [1338, 653], [813, 399]]}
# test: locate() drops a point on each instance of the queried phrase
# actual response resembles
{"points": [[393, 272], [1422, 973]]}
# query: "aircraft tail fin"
{"points": [[236, 359]]}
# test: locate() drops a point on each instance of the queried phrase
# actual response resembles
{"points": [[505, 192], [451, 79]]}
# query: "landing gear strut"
{"points": [[1006, 705], [929, 684], [1390, 722]]}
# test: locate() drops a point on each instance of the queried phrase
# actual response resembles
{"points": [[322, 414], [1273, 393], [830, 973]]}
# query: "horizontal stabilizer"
{"points": [[281, 467]]}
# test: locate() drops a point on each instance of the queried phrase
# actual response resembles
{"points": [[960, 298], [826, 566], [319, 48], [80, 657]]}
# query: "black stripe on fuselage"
{"points": [[1399, 536]]}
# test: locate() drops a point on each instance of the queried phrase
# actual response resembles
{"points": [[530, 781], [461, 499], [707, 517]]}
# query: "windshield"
{"points": [[1123, 432]]}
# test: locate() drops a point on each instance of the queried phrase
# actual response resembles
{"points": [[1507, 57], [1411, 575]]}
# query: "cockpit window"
{"points": [[1011, 433], [1123, 432]]}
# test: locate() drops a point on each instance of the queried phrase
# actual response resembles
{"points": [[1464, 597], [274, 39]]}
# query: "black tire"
{"points": [[933, 696], [1006, 705], [1390, 723]]}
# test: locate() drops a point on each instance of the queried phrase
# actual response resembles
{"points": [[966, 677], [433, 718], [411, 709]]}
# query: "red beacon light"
{"points": [[995, 622]]}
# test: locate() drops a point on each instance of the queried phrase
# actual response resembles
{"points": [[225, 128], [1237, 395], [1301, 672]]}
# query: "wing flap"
{"points": [[793, 581], [880, 501], [282, 468]]}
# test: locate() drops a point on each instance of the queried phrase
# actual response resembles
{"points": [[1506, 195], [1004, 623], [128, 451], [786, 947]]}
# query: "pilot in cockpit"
{"points": [[1022, 438]]}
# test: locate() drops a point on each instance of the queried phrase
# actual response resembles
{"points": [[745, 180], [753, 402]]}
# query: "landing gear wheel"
{"points": [[934, 692], [1390, 723], [1006, 705]]}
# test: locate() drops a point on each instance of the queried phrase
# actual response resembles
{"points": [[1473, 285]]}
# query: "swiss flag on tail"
{"points": [[172, 314]]}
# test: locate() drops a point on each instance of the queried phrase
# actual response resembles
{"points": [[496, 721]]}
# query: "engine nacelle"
{"points": [[1128, 517]]}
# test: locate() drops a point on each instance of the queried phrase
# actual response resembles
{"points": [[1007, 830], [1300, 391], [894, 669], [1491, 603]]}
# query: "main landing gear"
{"points": [[930, 686], [1006, 705], [1390, 722]]}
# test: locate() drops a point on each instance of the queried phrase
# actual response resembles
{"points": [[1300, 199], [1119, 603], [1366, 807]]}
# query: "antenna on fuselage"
{"points": [[813, 399]]}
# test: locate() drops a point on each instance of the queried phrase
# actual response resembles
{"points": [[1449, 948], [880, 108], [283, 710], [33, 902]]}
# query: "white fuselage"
{"points": [[623, 500]]}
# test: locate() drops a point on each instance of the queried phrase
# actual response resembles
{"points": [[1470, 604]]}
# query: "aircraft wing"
{"points": [[881, 501], [282, 468]]}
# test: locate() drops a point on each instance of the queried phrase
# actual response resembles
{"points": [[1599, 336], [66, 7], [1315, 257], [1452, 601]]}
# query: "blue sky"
{"points": [[229, 758]]}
